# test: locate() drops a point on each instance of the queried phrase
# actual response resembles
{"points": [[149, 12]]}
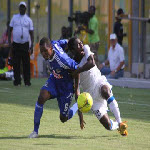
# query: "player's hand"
{"points": [[74, 73], [82, 125], [31, 49], [82, 122]]}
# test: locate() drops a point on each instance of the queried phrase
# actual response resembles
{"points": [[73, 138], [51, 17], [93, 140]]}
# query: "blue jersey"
{"points": [[61, 63], [60, 82]]}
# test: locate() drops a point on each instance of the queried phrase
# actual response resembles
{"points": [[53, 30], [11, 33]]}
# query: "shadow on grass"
{"points": [[57, 136], [13, 137]]}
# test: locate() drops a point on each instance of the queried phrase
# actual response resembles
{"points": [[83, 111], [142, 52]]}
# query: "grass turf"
{"points": [[16, 122]]}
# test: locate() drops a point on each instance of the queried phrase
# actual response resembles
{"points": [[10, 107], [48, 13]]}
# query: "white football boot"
{"points": [[33, 135]]}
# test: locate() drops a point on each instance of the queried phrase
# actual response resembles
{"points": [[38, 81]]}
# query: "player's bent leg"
{"points": [[66, 112], [106, 93], [113, 105], [105, 121], [71, 113], [43, 97], [108, 123]]}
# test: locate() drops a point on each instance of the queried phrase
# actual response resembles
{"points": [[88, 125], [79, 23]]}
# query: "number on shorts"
{"points": [[97, 113], [66, 107]]}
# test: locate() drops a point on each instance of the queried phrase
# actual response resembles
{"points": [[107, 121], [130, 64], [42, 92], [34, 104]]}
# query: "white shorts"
{"points": [[99, 107], [93, 87]]}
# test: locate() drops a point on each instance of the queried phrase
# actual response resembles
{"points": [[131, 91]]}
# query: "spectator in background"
{"points": [[66, 32], [118, 27], [115, 60], [63, 33], [92, 30], [81, 30], [22, 27], [8, 75], [5, 49]]}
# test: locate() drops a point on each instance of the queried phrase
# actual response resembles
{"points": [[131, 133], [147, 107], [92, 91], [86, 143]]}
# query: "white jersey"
{"points": [[92, 80]]}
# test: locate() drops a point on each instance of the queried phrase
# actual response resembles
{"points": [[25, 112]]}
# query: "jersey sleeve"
{"points": [[63, 43], [12, 22], [87, 51], [68, 63]]}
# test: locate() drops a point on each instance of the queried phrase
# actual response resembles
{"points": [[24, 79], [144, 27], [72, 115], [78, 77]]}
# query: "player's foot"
{"points": [[33, 135], [123, 129]]}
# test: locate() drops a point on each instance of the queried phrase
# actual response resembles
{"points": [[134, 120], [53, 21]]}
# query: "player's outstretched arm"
{"points": [[87, 66], [77, 93], [82, 122]]}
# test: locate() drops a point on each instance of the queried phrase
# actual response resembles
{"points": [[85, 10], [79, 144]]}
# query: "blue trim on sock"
{"points": [[110, 99]]}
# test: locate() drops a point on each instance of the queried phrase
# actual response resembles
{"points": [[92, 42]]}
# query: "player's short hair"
{"points": [[44, 41], [71, 43]]}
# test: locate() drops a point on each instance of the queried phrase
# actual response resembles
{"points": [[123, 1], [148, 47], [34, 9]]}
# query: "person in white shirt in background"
{"points": [[22, 27], [96, 84], [115, 60]]}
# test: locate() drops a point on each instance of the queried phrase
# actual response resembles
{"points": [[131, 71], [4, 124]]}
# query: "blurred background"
{"points": [[49, 16]]}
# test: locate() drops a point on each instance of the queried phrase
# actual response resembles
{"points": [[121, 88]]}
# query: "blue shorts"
{"points": [[61, 89]]}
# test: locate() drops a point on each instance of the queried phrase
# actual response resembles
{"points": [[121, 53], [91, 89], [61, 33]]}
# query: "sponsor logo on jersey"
{"points": [[58, 70], [56, 75]]}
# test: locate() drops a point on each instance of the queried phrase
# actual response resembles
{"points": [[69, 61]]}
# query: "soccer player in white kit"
{"points": [[97, 85]]}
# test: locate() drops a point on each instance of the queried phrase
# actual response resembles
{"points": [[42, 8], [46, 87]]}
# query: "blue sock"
{"points": [[37, 116], [72, 111]]}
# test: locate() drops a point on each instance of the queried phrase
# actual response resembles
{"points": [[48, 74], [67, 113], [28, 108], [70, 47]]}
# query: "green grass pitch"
{"points": [[16, 122]]}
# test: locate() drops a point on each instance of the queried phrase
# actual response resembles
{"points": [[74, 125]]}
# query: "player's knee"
{"points": [[63, 119], [43, 97], [105, 92]]}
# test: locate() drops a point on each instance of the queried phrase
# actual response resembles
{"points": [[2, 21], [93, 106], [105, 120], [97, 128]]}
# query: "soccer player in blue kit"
{"points": [[60, 84]]}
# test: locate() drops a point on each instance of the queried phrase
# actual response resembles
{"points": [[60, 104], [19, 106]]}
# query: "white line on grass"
{"points": [[4, 91], [131, 103]]}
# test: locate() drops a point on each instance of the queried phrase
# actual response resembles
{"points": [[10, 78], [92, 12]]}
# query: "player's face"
{"points": [[46, 52], [78, 48]]}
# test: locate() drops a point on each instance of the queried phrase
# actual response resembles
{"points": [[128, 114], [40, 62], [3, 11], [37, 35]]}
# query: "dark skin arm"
{"points": [[90, 64], [90, 31], [32, 40], [77, 93]]}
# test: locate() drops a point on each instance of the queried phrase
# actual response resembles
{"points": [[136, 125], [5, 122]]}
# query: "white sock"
{"points": [[113, 105], [114, 125], [72, 110]]}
